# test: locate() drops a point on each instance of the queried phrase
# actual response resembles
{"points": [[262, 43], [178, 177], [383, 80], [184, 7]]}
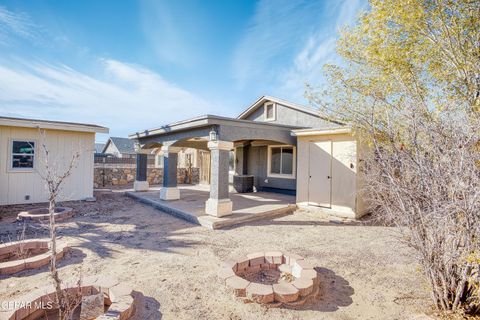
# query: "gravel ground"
{"points": [[364, 272]]}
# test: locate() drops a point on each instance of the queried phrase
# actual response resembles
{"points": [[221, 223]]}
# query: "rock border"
{"points": [[33, 262], [303, 285], [61, 213], [121, 303]]}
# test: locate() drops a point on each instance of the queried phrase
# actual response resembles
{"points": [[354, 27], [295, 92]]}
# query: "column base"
{"points": [[140, 185], [218, 207], [172, 193]]}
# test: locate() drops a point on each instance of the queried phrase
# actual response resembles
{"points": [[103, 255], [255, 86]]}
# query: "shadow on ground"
{"points": [[335, 292], [147, 308], [114, 220], [73, 257]]}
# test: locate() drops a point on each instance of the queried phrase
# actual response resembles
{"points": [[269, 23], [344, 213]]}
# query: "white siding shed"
{"points": [[22, 160]]}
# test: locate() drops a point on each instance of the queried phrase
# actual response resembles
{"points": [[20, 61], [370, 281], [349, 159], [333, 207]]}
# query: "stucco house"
{"points": [[278, 146], [22, 158]]}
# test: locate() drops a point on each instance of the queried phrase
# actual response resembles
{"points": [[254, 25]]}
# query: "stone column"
{"points": [[219, 203], [141, 183], [169, 190]]}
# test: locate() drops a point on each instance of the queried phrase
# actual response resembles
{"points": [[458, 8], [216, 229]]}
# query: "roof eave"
{"points": [[208, 120], [319, 132], [52, 125]]}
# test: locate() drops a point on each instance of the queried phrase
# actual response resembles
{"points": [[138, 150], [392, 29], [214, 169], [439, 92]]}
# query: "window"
{"points": [[23, 154], [188, 160], [231, 161], [269, 111], [159, 160], [281, 161]]}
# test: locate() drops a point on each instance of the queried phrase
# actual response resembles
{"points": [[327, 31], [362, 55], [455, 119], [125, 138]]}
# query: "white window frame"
{"points": [[265, 113], [159, 160], [269, 162], [11, 154]]}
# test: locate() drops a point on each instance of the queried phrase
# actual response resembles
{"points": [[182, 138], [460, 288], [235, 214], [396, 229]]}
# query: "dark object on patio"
{"points": [[243, 183]]}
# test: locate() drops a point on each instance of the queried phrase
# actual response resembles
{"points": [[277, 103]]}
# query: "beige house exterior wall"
{"points": [[344, 167], [16, 185]]}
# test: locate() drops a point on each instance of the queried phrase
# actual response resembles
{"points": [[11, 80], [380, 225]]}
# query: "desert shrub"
{"points": [[410, 89]]}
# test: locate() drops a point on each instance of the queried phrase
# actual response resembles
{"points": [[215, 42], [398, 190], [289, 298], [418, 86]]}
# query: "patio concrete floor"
{"points": [[246, 206]]}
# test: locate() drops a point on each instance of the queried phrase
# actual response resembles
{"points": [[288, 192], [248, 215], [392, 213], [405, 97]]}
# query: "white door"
{"points": [[320, 174]]}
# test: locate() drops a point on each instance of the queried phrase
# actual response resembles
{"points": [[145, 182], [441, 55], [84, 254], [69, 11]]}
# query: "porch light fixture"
{"points": [[213, 135], [137, 146]]}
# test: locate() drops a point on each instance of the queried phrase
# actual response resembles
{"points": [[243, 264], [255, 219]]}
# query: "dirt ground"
{"points": [[364, 272]]}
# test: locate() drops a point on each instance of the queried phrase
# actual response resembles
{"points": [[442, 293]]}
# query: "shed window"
{"points": [[23, 154], [281, 161]]}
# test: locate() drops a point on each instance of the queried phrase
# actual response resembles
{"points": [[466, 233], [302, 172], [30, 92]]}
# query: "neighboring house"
{"points": [[22, 160], [119, 147], [284, 146], [125, 148], [99, 148]]}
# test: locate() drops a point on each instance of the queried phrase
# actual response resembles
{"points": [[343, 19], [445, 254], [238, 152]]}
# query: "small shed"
{"points": [[327, 171], [22, 159]]}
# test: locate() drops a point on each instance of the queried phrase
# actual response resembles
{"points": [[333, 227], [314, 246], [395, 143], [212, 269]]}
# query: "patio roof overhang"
{"points": [[213, 133], [195, 132]]}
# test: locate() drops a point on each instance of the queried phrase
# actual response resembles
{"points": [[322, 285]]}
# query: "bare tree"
{"points": [[427, 183], [54, 177], [410, 89]]}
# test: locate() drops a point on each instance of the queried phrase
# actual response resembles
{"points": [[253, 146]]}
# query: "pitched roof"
{"points": [[289, 104], [123, 145], [99, 147]]}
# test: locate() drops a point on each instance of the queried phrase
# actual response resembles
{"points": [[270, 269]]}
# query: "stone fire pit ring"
{"points": [[27, 254], [118, 300], [271, 277], [41, 214]]}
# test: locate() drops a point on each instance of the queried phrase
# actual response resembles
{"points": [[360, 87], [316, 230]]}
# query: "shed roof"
{"points": [[50, 124], [324, 131]]}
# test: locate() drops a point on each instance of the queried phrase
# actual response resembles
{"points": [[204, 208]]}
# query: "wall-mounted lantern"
{"points": [[213, 135]]}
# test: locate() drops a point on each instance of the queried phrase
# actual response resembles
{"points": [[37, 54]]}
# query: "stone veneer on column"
{"points": [[141, 183], [169, 190], [219, 203]]}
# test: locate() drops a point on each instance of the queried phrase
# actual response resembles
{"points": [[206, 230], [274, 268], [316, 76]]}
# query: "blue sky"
{"points": [[132, 65]]}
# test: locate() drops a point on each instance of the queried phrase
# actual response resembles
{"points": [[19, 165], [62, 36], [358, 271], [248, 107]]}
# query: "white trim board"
{"points": [[53, 125]]}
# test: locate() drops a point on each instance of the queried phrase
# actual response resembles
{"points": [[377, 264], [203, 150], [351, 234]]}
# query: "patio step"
{"points": [[212, 222], [164, 208]]}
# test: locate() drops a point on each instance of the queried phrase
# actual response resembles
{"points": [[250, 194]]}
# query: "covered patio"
{"points": [[246, 206], [219, 136]]}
